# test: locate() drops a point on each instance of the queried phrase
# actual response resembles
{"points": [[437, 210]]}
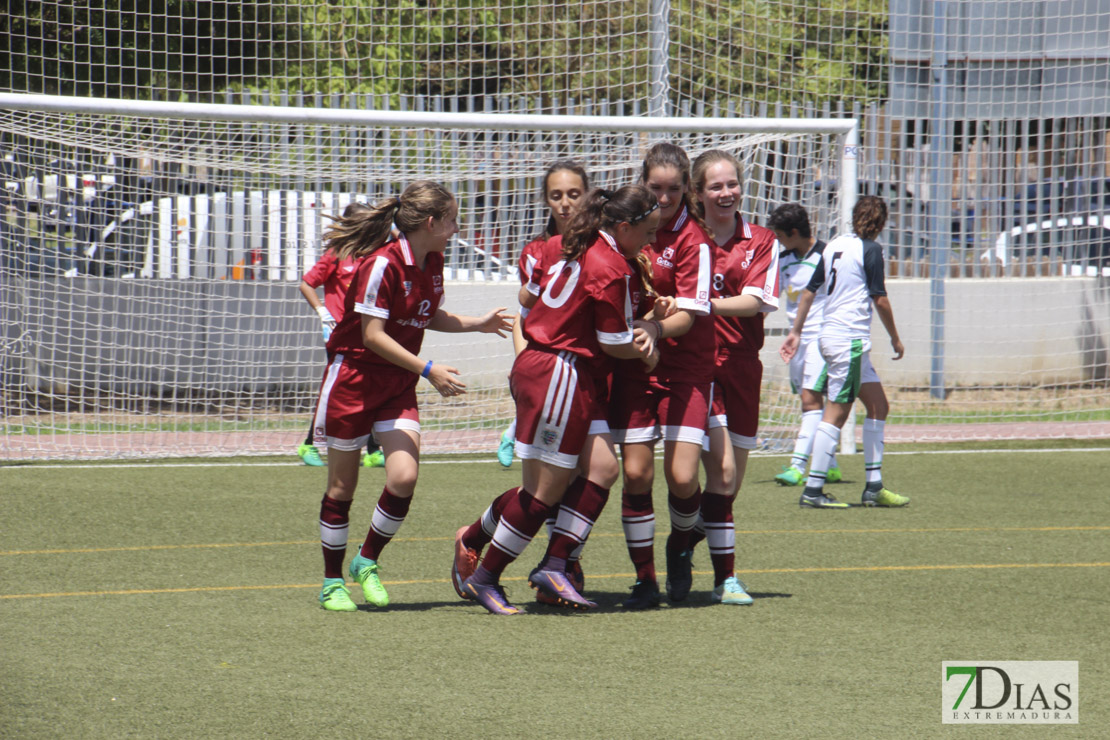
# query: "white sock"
{"points": [[873, 449], [803, 445], [824, 444], [511, 430]]}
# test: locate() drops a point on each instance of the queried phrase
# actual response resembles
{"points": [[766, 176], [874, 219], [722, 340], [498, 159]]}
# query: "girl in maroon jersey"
{"points": [[582, 318], [565, 183], [564, 186], [370, 382], [672, 401], [335, 277], [745, 287]]}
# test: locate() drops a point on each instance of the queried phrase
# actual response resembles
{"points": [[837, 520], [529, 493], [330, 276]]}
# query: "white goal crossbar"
{"points": [[845, 128]]}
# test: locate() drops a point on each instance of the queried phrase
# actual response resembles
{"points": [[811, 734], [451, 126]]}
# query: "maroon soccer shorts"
{"points": [[554, 404], [735, 402], [643, 410], [356, 400]]}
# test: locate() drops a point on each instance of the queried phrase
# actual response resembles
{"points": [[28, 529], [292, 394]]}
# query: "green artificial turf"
{"points": [[180, 601]]}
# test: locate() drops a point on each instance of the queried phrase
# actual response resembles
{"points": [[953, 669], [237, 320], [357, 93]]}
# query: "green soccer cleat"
{"points": [[833, 476], [310, 456], [732, 592], [375, 459], [883, 497], [365, 571], [505, 449], [790, 476], [821, 500], [336, 597]]}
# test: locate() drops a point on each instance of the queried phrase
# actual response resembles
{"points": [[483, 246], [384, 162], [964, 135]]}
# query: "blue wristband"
{"points": [[427, 369]]}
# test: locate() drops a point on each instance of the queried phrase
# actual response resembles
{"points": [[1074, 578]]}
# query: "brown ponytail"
{"points": [[604, 209], [360, 231]]}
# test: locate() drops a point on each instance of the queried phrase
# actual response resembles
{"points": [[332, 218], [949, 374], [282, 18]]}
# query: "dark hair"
{"points": [[353, 209], [666, 154], [869, 216], [790, 217], [605, 209], [362, 229], [562, 165], [702, 164]]}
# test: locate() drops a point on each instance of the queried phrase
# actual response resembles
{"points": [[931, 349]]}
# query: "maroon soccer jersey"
{"points": [[583, 303], [682, 266], [389, 285], [747, 264], [530, 255], [336, 276]]}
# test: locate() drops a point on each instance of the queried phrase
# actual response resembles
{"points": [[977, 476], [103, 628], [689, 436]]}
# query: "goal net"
{"points": [[153, 254], [984, 124]]}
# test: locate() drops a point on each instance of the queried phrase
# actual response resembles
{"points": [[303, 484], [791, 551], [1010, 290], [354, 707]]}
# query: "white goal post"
{"points": [[149, 304]]}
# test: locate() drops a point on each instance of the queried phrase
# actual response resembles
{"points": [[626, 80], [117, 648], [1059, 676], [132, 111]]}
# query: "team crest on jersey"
{"points": [[408, 286], [747, 258], [437, 280], [549, 437], [668, 253]]}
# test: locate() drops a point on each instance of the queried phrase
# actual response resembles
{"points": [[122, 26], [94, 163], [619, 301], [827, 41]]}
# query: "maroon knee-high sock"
{"points": [[684, 513], [581, 506], [388, 516], [478, 534], [638, 520], [720, 534], [520, 520], [334, 520]]}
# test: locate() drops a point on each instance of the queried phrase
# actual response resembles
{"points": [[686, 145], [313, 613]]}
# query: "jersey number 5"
{"points": [[832, 270]]}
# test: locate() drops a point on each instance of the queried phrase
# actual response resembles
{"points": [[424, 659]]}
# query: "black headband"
{"points": [[644, 215]]}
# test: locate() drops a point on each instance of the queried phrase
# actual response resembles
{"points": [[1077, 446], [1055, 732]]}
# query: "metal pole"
{"points": [[940, 211], [659, 40], [849, 191]]}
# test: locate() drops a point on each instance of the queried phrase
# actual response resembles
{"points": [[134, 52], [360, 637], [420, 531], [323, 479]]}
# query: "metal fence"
{"points": [[1029, 198]]}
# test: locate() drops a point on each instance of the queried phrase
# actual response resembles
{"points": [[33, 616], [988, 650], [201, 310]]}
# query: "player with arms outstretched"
{"points": [[369, 385], [851, 272]]}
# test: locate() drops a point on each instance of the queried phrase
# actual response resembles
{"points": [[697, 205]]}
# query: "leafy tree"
{"points": [[752, 50]]}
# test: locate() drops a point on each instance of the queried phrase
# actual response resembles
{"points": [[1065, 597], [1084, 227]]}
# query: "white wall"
{"points": [[996, 330]]}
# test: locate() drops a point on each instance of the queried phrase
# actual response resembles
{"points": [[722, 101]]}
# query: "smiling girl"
{"points": [[369, 385], [745, 287], [672, 401]]}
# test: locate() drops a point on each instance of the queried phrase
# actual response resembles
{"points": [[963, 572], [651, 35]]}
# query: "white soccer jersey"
{"points": [[796, 273], [851, 271]]}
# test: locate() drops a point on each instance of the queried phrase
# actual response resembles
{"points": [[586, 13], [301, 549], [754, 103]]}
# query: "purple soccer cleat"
{"points": [[556, 585], [491, 597]]}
